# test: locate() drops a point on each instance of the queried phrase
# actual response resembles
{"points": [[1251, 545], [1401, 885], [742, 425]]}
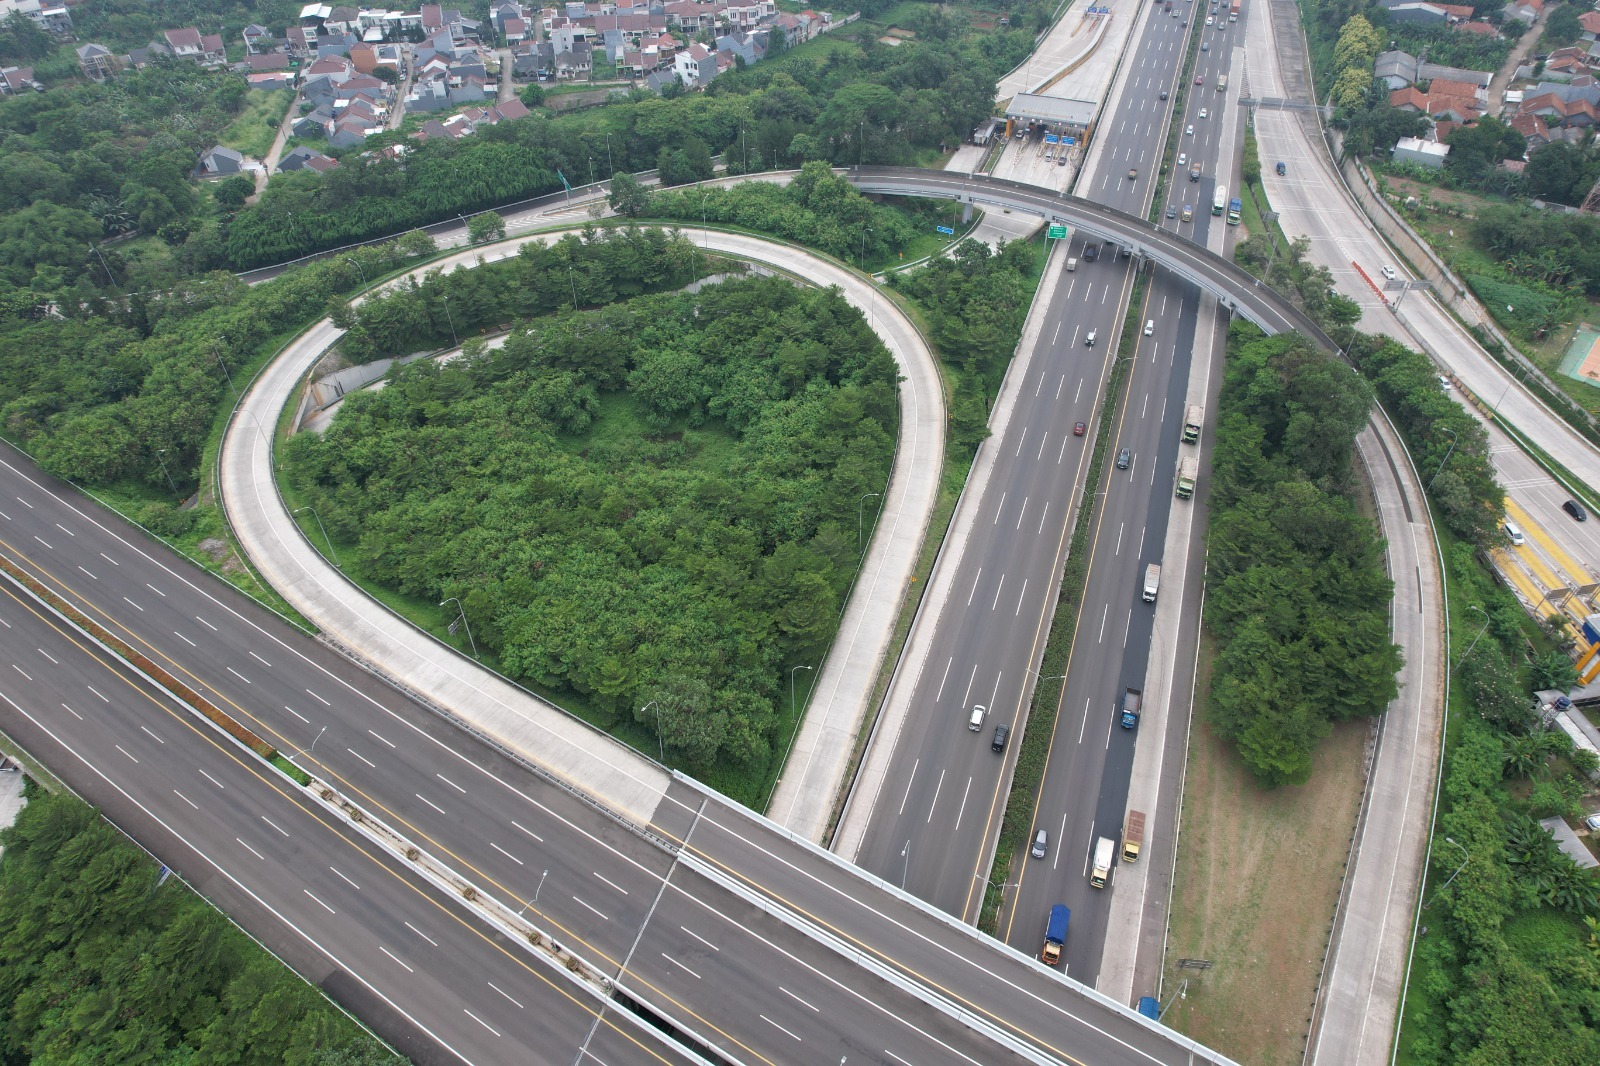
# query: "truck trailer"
{"points": [[1152, 582], [1188, 472], [1233, 12], [1100, 870], [1055, 935], [1133, 836], [1192, 423]]}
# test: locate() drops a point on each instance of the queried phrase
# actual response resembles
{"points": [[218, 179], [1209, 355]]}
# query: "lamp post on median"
{"points": [[462, 610], [448, 317], [1466, 858], [905, 853], [860, 518], [661, 745], [1446, 459], [331, 553], [1474, 644]]}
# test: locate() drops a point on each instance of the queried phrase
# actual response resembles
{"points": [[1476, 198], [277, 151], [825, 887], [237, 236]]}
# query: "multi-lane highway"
{"points": [[932, 818], [437, 983], [766, 948]]}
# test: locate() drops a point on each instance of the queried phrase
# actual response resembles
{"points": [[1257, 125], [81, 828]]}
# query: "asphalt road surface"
{"points": [[937, 813], [661, 920]]}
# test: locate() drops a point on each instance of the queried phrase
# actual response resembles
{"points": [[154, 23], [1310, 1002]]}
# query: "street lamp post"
{"points": [[161, 458], [1446, 459], [448, 317], [861, 256], [331, 552], [1474, 644], [357, 264], [461, 608], [861, 517], [307, 749], [793, 713], [661, 745], [224, 367], [1466, 857], [905, 853]]}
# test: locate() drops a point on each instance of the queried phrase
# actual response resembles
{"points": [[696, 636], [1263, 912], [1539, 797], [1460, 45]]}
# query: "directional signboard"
{"points": [[946, 229], [1056, 233]]}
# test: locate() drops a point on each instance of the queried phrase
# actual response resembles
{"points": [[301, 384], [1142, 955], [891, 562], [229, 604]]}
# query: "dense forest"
{"points": [[648, 504], [1297, 598], [101, 963]]}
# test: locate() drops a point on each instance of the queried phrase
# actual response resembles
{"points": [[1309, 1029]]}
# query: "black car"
{"points": [[1172, 210], [1575, 509], [1001, 732], [1163, 94], [1124, 457]]}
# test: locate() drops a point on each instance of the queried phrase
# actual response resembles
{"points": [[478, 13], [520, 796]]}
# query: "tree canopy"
{"points": [[647, 503], [99, 964], [1297, 595]]}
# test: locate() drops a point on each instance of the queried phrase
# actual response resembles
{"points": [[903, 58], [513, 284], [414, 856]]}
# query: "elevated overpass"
{"points": [[1232, 286]]}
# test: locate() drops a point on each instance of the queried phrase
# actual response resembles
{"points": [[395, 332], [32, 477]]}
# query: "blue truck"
{"points": [[1150, 1008], [1131, 700], [1055, 935]]}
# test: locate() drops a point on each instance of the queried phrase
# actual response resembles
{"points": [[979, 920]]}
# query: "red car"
{"points": [[1078, 429], [1199, 79]]}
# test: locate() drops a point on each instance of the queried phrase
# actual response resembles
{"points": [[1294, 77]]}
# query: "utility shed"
{"points": [[1570, 842]]}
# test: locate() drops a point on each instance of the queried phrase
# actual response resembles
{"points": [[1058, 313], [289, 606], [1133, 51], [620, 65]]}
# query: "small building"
{"points": [[1430, 154], [304, 158], [220, 162], [97, 61], [14, 80]]}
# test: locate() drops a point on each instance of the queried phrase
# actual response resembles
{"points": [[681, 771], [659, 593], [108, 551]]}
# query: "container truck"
{"points": [[1188, 471], [1100, 869], [1192, 423], [1152, 582], [1233, 12], [1133, 837], [1055, 935], [1131, 699], [1219, 200], [1235, 206]]}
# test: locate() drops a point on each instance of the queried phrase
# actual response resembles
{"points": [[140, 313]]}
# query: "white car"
{"points": [[1210, 19], [975, 720], [1183, 159], [1188, 131], [1204, 113], [1389, 272]]}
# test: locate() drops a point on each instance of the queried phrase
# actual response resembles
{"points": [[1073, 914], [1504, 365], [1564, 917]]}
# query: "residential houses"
{"points": [[15, 80], [304, 158], [219, 162], [97, 61], [1455, 101], [51, 17], [189, 44]]}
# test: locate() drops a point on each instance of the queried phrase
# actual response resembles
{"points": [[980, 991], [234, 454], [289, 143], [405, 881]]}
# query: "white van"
{"points": [[1072, 263], [975, 722], [1517, 539]]}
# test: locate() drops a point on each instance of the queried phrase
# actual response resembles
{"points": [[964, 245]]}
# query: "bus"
{"points": [[1234, 207], [1220, 200]]}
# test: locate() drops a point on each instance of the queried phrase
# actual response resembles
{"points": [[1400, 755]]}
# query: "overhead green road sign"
{"points": [[1056, 233]]}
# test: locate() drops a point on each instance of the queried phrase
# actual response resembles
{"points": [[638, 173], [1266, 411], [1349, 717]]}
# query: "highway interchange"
{"points": [[633, 901]]}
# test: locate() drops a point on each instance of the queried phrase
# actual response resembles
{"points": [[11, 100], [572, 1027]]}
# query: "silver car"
{"points": [[1041, 844]]}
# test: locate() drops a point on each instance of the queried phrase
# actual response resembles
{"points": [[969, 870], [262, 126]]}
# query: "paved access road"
{"points": [[434, 981]]}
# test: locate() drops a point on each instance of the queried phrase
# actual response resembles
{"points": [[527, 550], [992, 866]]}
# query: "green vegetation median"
{"points": [[1296, 594]]}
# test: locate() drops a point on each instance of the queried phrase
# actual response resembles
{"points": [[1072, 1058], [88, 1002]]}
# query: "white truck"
{"points": [[1105, 850], [1152, 582]]}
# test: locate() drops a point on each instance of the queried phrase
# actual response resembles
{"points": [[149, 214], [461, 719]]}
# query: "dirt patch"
{"points": [[1257, 882]]}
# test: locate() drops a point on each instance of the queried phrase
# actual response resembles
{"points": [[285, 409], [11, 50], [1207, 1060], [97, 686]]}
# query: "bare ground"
{"points": [[1257, 882]]}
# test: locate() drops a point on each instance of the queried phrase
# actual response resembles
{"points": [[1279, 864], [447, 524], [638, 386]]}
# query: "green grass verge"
{"points": [[256, 127], [1034, 748]]}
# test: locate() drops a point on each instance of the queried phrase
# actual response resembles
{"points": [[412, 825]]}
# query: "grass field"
{"points": [[252, 132], [1257, 881]]}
